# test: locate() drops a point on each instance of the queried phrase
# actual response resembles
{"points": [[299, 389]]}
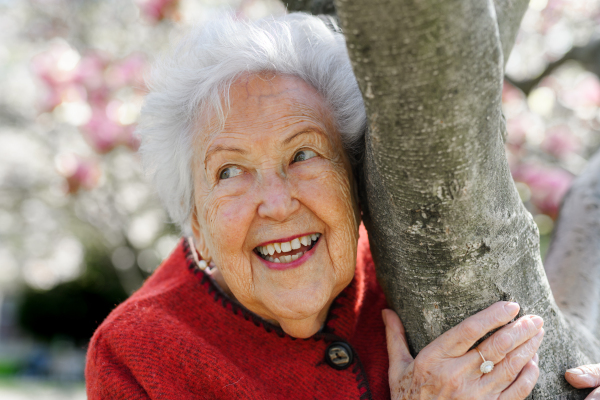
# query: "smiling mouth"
{"points": [[285, 252]]}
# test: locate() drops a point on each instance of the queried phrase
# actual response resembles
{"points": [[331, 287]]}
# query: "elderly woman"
{"points": [[251, 132]]}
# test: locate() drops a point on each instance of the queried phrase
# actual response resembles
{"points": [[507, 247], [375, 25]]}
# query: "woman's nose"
{"points": [[277, 201]]}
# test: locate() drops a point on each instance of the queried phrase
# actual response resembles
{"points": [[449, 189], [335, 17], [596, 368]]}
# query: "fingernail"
{"points": [[511, 307], [536, 358], [576, 371], [537, 321]]}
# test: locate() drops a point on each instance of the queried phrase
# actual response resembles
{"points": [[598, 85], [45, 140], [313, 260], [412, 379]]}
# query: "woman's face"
{"points": [[276, 180]]}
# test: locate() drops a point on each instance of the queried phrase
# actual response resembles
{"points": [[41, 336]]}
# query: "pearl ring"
{"points": [[486, 366]]}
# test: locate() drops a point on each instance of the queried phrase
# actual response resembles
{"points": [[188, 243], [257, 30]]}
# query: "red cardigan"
{"points": [[181, 337]]}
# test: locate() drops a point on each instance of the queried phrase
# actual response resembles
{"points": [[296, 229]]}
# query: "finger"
{"points": [[458, 340], [398, 351], [585, 376], [513, 335], [524, 384], [513, 364], [595, 395]]}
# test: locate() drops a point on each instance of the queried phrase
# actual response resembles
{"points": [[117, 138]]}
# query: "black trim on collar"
{"points": [[325, 334]]}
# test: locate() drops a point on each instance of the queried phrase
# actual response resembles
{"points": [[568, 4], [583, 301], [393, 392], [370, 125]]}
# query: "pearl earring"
{"points": [[201, 264]]}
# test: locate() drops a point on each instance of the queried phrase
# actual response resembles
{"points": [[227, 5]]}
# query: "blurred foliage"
{"points": [[73, 309], [9, 367]]}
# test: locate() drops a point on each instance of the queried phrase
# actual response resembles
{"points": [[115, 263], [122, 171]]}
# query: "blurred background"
{"points": [[80, 229]]}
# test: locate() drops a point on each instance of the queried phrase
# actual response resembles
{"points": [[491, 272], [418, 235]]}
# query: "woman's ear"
{"points": [[199, 239]]}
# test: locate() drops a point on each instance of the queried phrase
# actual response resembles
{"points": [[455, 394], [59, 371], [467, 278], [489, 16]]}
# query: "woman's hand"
{"points": [[447, 369], [586, 376]]}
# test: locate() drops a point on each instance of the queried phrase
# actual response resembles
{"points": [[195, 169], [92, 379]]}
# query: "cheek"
{"points": [[226, 212], [227, 221], [325, 189]]}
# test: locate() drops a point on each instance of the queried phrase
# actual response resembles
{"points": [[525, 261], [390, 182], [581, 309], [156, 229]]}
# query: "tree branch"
{"points": [[573, 260], [509, 14], [588, 56]]}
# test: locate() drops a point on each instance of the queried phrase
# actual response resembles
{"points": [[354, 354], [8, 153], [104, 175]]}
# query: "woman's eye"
{"points": [[304, 155], [230, 172]]}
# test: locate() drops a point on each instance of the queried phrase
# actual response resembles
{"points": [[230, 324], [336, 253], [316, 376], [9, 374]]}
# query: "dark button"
{"points": [[339, 355]]}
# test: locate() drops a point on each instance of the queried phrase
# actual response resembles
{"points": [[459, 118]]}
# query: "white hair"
{"points": [[189, 85]]}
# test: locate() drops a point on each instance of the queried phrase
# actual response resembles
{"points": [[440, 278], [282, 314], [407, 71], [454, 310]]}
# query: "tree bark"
{"points": [[448, 231], [315, 7]]}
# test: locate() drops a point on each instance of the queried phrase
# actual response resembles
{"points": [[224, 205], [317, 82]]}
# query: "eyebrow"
{"points": [[213, 150], [302, 132]]}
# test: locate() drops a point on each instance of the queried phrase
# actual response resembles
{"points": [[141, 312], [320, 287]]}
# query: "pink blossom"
{"points": [[586, 93], [91, 68], [78, 172], [511, 93], [561, 142], [157, 10], [100, 132], [132, 140], [104, 133], [47, 66], [516, 129], [97, 80], [548, 186], [127, 72], [57, 69]]}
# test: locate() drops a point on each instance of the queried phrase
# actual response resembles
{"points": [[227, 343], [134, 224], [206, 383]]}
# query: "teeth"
{"points": [[285, 259], [272, 248], [296, 244], [286, 246]]}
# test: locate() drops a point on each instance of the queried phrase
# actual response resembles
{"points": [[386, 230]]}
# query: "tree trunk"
{"points": [[448, 231], [449, 234]]}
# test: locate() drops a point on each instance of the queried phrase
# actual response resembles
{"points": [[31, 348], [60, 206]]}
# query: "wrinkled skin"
{"points": [[269, 196], [447, 369]]}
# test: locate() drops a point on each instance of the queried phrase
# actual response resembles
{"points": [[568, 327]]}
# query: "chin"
{"points": [[301, 315], [301, 329], [300, 305]]}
